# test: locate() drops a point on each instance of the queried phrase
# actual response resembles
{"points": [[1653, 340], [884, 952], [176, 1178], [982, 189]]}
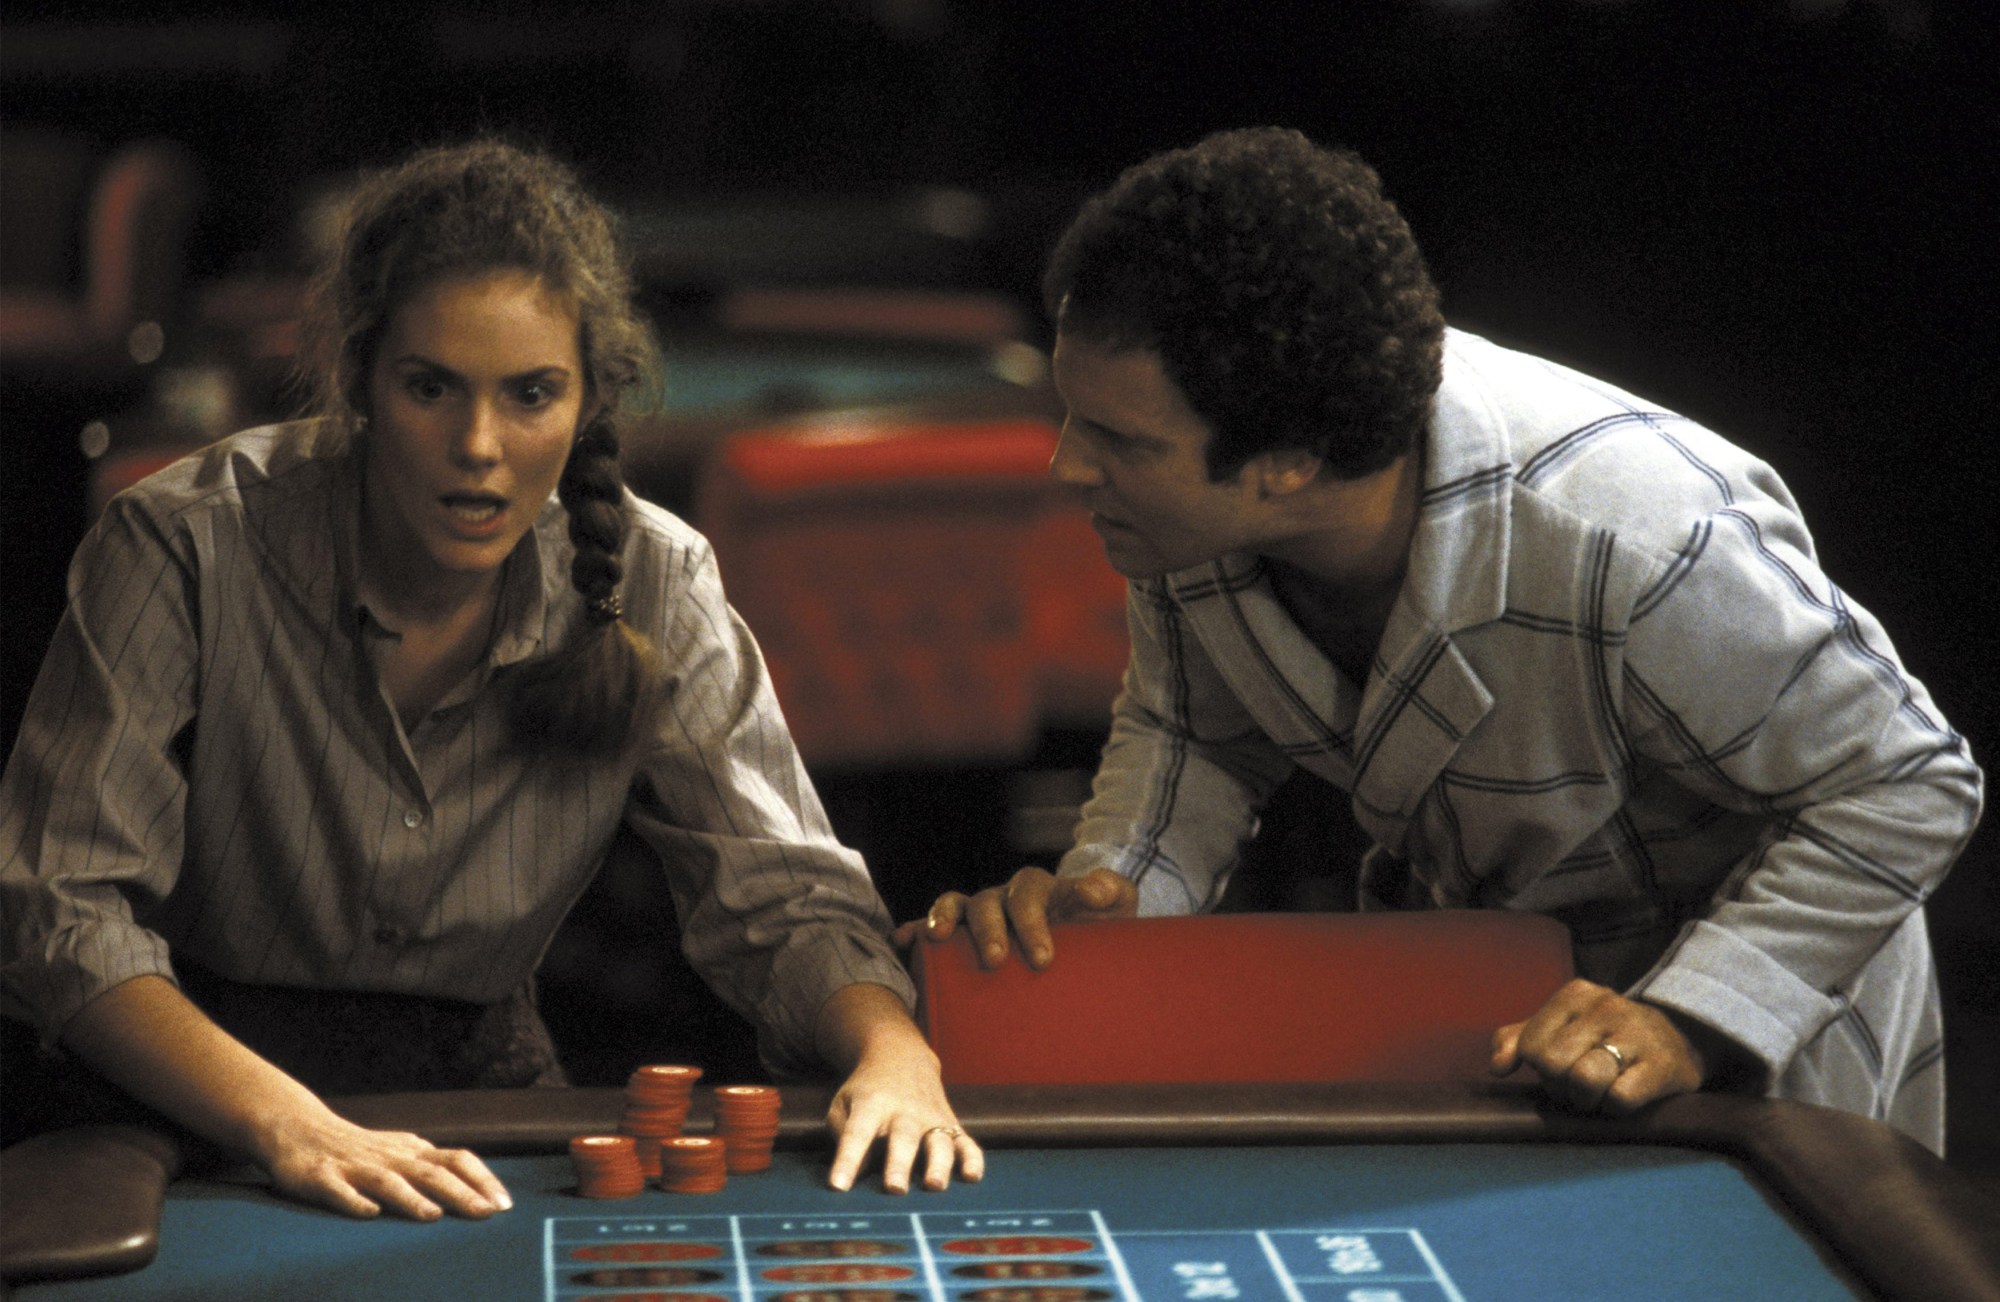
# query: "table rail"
{"points": [[88, 1201]]}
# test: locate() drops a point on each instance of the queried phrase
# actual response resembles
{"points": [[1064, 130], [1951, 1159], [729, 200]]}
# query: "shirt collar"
{"points": [[1458, 558], [1457, 576], [346, 499], [523, 623]]}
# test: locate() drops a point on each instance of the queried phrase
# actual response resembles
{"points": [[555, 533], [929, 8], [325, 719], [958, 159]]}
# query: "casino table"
{"points": [[716, 382], [1299, 1193]]}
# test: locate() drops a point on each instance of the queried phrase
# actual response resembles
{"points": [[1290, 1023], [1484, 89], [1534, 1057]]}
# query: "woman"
{"points": [[344, 713]]}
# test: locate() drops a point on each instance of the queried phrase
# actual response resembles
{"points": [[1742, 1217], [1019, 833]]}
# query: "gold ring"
{"points": [[1612, 1049], [953, 1131]]}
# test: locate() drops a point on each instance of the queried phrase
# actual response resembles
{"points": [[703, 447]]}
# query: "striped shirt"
{"points": [[209, 767], [1615, 688]]}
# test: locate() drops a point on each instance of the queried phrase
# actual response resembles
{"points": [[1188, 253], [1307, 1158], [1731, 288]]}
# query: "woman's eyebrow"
{"points": [[418, 359], [551, 370]]}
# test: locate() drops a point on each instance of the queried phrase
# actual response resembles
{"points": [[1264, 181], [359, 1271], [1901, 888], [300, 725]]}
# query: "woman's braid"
{"points": [[593, 493]]}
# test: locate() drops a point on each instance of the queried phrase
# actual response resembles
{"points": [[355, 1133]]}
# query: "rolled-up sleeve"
{"points": [[93, 801], [1183, 774], [1801, 714], [775, 914]]}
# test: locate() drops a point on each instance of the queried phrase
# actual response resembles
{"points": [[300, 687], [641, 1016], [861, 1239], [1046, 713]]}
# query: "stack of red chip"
{"points": [[656, 1106], [746, 1116], [607, 1166], [693, 1164]]}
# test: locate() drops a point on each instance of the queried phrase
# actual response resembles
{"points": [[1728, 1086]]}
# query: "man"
{"points": [[1568, 652]]}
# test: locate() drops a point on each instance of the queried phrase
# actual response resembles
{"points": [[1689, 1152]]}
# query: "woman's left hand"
{"points": [[893, 1095]]}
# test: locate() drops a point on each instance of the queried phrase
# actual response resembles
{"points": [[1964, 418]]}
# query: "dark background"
{"points": [[1777, 221]]}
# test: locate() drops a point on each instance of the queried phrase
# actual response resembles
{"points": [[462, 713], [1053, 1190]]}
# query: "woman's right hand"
{"points": [[150, 1040], [333, 1163]]}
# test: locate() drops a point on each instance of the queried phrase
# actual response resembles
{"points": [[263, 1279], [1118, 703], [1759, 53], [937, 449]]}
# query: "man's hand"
{"points": [[1026, 906], [1595, 1049]]}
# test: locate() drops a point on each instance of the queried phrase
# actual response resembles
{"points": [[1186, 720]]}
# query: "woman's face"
{"points": [[474, 399]]}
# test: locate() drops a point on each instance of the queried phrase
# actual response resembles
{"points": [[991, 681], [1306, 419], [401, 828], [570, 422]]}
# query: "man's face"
{"points": [[1135, 452]]}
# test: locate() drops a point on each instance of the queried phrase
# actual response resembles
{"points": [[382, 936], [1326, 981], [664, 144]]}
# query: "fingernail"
{"points": [[1041, 955]]}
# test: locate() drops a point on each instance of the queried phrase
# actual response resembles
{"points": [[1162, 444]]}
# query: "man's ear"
{"points": [[1284, 471]]}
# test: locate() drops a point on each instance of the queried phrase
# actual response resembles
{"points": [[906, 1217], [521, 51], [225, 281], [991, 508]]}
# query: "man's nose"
{"points": [[1071, 466]]}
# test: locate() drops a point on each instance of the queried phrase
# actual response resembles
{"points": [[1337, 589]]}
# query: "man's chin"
{"points": [[1136, 568], [1130, 553]]}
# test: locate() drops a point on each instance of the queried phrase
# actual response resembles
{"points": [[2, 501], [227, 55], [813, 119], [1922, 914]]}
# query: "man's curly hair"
{"points": [[1282, 290]]}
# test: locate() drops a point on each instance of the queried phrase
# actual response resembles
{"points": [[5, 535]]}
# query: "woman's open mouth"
{"points": [[474, 510]]}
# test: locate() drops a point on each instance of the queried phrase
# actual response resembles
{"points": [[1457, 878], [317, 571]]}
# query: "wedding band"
{"points": [[953, 1131], [1612, 1049]]}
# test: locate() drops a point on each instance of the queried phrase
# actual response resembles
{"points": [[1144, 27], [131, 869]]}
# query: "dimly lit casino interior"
{"points": [[1773, 217]]}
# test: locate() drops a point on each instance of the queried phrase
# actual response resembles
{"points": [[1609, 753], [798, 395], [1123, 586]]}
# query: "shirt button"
{"points": [[413, 818]]}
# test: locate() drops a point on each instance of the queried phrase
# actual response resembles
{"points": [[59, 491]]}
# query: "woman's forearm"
{"points": [[147, 1038], [150, 1040]]}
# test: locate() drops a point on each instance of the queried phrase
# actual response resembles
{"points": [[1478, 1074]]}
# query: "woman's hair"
{"points": [[488, 206], [1281, 289]]}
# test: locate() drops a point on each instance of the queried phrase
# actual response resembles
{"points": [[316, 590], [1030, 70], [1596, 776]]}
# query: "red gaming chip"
{"points": [[693, 1164], [657, 1098], [607, 1166], [746, 1116]]}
